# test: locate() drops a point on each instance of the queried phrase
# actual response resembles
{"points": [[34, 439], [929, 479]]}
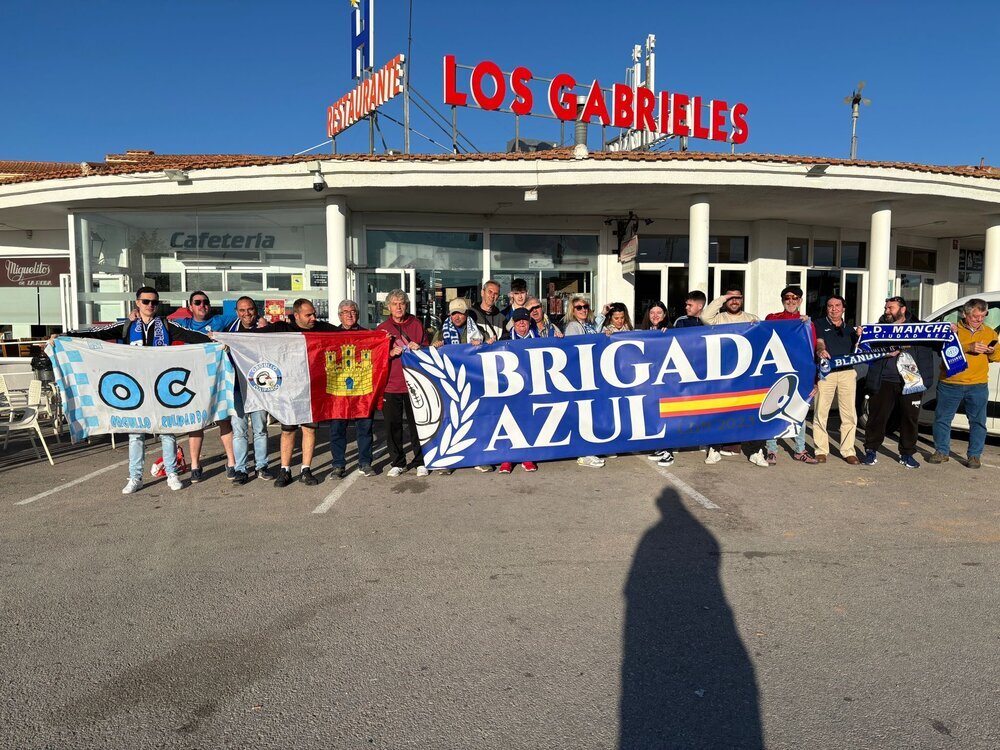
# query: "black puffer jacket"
{"points": [[923, 355]]}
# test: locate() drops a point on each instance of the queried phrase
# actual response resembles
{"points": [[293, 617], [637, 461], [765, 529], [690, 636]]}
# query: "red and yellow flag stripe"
{"points": [[715, 403]]}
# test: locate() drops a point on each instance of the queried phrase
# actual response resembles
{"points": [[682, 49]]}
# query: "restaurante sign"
{"points": [[28, 271]]}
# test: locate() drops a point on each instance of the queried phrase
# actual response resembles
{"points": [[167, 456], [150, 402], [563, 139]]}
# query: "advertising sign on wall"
{"points": [[26, 271]]}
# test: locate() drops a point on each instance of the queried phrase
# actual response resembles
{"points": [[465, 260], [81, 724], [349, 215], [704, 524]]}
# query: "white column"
{"points": [[991, 259], [84, 282], [698, 232], [878, 261], [336, 250]]}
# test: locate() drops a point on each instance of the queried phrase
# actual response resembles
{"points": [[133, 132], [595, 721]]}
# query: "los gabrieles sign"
{"points": [[22, 271], [663, 112]]}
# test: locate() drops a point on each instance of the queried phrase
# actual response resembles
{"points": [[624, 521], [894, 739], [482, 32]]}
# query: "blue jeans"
{"points": [[949, 397], [800, 441], [137, 454], [338, 441], [258, 425]]}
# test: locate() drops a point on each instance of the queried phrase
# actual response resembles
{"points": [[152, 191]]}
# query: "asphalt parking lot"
{"points": [[724, 606]]}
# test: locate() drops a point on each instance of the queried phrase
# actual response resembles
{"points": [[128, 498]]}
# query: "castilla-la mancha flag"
{"points": [[310, 377]]}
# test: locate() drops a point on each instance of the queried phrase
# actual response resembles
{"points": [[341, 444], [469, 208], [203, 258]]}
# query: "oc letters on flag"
{"points": [[114, 388], [542, 399]]}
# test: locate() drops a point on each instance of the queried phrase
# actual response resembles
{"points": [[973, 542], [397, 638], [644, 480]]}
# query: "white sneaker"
{"points": [[174, 482], [713, 456], [396, 471], [657, 455], [133, 486], [757, 459], [593, 462], [667, 459], [422, 471]]}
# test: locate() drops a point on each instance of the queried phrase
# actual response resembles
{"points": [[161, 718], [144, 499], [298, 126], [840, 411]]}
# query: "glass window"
{"points": [[824, 253], [916, 259], [797, 251], [671, 248], [448, 265], [555, 266], [204, 280], [242, 281], [821, 285], [223, 253], [727, 249], [853, 254]]}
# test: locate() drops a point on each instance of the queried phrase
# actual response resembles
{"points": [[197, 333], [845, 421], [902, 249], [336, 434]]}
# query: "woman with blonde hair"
{"points": [[581, 317], [582, 323]]}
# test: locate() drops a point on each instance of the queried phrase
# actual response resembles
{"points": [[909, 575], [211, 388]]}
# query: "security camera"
{"points": [[319, 184]]}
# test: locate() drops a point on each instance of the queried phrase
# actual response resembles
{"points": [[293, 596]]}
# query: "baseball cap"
{"points": [[521, 313], [458, 305]]}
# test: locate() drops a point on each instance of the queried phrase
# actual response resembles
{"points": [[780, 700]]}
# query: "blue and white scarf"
{"points": [[451, 334], [531, 334], [137, 333], [544, 329]]}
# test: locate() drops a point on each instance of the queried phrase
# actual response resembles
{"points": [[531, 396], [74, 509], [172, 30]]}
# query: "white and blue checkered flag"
{"points": [[108, 387]]}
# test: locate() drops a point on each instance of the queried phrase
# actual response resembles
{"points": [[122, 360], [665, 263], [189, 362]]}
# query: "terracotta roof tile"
{"points": [[134, 161]]}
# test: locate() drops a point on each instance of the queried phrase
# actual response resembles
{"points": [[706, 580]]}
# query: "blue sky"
{"points": [[85, 79]]}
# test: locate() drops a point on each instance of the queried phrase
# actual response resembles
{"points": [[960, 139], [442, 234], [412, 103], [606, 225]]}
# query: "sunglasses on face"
{"points": [[534, 307], [790, 298], [581, 307], [200, 302], [735, 298], [148, 301]]}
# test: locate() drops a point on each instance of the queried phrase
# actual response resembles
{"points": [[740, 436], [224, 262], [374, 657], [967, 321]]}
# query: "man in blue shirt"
{"points": [[203, 321], [693, 306]]}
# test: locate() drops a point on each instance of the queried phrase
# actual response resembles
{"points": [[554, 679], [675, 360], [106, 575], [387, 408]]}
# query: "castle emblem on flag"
{"points": [[349, 375]]}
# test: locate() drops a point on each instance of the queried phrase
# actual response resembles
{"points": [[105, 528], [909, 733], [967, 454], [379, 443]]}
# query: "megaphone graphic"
{"points": [[784, 402]]}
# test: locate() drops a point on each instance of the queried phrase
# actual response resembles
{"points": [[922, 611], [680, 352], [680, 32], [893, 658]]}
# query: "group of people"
{"points": [[526, 317]]}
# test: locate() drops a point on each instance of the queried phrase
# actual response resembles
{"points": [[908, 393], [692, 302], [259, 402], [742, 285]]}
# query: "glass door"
{"points": [[916, 289], [723, 277], [374, 286], [853, 289]]}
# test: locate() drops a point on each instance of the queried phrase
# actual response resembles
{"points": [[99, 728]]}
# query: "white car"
{"points": [[951, 313]]}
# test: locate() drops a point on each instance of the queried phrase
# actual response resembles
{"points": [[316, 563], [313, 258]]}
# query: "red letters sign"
{"points": [[663, 112], [367, 97]]}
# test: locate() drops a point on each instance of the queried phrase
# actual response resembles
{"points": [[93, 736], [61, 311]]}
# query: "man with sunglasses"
{"points": [[834, 338], [791, 300], [203, 321], [146, 329]]}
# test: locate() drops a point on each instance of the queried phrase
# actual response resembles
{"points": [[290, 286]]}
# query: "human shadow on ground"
{"points": [[687, 680]]}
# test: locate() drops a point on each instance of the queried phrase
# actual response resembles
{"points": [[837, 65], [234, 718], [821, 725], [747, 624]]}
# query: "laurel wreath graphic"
{"points": [[455, 385]]}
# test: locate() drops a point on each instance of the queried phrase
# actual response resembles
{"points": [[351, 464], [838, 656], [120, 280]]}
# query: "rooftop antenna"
{"points": [[855, 100]]}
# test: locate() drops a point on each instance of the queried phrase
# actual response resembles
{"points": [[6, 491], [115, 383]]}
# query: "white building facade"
{"points": [[438, 227]]}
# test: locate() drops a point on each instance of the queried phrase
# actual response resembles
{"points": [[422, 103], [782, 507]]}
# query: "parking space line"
{"points": [[686, 488], [76, 481], [343, 486], [334, 496]]}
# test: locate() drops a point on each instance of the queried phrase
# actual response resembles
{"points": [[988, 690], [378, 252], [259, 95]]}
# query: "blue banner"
{"points": [[895, 334], [543, 399]]}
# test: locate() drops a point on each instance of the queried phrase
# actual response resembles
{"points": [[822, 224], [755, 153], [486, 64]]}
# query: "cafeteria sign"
{"points": [[26, 271]]}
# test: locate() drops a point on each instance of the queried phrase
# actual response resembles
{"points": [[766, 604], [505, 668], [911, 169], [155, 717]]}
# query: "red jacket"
{"points": [[403, 333], [794, 316]]}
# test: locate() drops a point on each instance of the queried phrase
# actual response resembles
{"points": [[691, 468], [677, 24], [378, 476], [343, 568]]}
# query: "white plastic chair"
{"points": [[43, 407], [27, 420]]}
